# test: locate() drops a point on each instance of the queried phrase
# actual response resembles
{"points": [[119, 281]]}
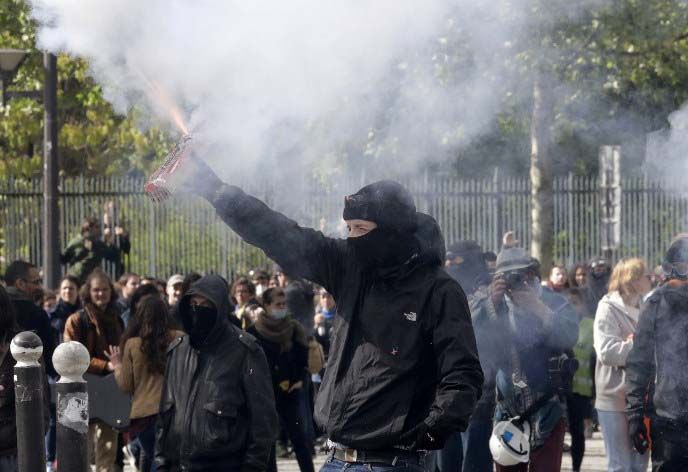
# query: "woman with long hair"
{"points": [[139, 364], [8, 426], [615, 323], [98, 326]]}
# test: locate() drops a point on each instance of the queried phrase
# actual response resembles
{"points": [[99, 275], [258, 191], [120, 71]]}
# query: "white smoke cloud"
{"points": [[300, 78]]}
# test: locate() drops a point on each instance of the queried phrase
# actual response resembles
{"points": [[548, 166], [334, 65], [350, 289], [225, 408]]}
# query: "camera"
{"points": [[561, 370], [515, 279]]}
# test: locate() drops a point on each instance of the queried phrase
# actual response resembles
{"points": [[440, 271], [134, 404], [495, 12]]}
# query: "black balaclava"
{"points": [[203, 320], [391, 206], [472, 272]]}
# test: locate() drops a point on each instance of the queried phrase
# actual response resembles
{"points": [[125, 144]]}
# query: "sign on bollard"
{"points": [[26, 348], [71, 359]]}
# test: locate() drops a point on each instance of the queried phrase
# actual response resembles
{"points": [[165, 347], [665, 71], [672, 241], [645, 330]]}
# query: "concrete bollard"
{"points": [[27, 348], [71, 359]]}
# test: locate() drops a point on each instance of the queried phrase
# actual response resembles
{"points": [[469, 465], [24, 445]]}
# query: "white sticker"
{"points": [[72, 411]]}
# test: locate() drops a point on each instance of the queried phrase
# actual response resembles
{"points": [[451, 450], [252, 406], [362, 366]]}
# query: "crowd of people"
{"points": [[383, 349]]}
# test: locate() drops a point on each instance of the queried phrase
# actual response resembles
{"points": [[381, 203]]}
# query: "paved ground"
{"points": [[594, 461]]}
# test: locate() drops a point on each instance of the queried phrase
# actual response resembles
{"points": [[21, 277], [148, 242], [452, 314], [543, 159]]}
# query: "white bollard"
{"points": [[71, 359]]}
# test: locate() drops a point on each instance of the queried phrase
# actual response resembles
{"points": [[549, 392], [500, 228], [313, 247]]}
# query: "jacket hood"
{"points": [[614, 299], [212, 287], [675, 292], [430, 240]]}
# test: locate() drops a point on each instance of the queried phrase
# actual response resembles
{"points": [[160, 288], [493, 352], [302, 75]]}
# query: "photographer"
{"points": [[86, 252], [529, 329]]}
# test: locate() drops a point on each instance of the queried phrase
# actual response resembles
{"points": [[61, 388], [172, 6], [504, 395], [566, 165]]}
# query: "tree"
{"points": [[93, 139]]}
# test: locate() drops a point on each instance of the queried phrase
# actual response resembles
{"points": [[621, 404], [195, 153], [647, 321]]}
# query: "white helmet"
{"points": [[510, 443]]}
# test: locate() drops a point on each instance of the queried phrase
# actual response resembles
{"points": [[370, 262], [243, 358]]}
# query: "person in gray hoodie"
{"points": [[615, 323]]}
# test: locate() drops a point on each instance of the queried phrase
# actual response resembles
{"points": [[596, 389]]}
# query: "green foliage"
{"points": [[93, 139], [619, 65]]}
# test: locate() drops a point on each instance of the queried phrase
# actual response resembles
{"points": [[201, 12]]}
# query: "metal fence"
{"points": [[185, 234]]}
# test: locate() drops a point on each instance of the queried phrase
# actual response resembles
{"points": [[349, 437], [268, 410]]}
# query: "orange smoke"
{"points": [[166, 102]]}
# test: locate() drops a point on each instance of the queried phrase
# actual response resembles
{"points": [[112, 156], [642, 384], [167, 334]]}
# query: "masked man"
{"points": [[403, 372], [217, 411], [656, 379]]}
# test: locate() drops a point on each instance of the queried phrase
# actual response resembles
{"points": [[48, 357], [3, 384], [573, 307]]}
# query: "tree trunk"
{"points": [[541, 173]]}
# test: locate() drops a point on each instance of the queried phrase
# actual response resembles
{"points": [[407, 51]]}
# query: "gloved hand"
{"points": [[195, 176], [638, 433], [420, 438]]}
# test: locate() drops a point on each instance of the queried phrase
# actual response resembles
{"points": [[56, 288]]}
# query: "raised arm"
{"points": [[302, 252]]}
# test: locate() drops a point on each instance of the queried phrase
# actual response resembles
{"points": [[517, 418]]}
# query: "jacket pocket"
{"points": [[220, 419]]}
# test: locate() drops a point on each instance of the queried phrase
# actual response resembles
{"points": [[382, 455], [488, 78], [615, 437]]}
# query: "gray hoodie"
{"points": [[614, 322]]}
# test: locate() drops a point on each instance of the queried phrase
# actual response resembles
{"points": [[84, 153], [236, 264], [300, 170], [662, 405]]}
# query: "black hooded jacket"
{"points": [[659, 357], [403, 349], [217, 411]]}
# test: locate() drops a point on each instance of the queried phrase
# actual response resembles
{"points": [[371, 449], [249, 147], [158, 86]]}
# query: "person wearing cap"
{"points": [[217, 411], [522, 328], [174, 289], [403, 372], [656, 379]]}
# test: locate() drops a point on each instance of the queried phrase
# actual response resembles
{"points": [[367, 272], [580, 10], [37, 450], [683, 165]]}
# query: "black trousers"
{"points": [[289, 409], [579, 408], [669, 449]]}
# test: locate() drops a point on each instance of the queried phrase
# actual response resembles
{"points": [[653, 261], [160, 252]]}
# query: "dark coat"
{"points": [[659, 356], [58, 317], [217, 411], [288, 366], [31, 317], [83, 261], [403, 350]]}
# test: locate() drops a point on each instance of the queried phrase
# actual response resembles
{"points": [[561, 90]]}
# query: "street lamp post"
{"points": [[51, 236], [10, 61]]}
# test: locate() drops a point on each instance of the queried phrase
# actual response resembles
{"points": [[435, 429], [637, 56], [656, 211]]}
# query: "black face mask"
{"points": [[463, 275], [383, 248], [203, 320]]}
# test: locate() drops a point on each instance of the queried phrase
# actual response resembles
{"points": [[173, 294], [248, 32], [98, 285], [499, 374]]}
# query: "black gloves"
{"points": [[638, 433], [197, 177], [420, 438]]}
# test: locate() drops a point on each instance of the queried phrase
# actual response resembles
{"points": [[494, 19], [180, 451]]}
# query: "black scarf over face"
{"points": [[203, 321], [383, 248]]}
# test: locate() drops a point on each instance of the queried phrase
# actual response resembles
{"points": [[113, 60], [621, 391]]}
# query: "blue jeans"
{"points": [[335, 465], [617, 444], [476, 444], [447, 459], [147, 456], [8, 463]]}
